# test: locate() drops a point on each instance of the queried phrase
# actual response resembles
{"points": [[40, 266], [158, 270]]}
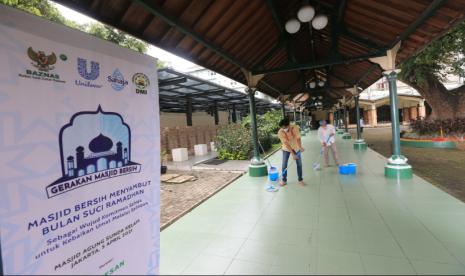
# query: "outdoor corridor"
{"points": [[362, 224]]}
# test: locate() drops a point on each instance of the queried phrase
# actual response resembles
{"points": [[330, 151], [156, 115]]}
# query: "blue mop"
{"points": [[273, 176], [316, 165], [273, 173]]}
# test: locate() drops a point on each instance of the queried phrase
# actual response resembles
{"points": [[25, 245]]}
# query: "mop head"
{"points": [[271, 188]]}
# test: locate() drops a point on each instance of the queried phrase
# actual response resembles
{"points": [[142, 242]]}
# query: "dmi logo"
{"points": [[141, 81], [117, 80], [91, 75], [94, 146]]}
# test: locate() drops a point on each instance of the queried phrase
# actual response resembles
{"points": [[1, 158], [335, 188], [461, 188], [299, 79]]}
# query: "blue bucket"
{"points": [[273, 174], [350, 168]]}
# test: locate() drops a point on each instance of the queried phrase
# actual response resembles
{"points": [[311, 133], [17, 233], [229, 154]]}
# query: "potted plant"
{"points": [[162, 161]]}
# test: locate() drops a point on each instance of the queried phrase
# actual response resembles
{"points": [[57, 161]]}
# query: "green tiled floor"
{"points": [[363, 224]]}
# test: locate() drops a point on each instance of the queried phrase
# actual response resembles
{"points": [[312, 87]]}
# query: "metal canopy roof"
{"points": [[228, 36], [177, 88]]}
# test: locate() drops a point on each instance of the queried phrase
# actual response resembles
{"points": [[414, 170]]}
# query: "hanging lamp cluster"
{"points": [[306, 14]]}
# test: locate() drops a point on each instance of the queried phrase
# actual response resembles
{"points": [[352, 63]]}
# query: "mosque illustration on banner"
{"points": [[93, 142]]}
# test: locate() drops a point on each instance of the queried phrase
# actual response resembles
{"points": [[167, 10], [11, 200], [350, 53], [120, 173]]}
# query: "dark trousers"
{"points": [[298, 162]]}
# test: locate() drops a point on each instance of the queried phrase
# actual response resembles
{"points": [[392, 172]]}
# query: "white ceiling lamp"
{"points": [[321, 83], [292, 26], [312, 84], [320, 21], [306, 13]]}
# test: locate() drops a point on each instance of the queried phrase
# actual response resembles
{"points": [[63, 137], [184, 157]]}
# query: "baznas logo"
{"points": [[42, 61], [94, 146], [141, 81], [89, 76], [117, 80]]}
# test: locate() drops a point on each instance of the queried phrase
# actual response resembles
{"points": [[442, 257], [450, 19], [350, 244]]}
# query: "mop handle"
{"points": [[267, 159], [285, 170]]}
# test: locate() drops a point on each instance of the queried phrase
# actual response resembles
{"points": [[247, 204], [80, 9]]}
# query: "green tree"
{"points": [[113, 35], [44, 8], [427, 71], [161, 64], [40, 8]]}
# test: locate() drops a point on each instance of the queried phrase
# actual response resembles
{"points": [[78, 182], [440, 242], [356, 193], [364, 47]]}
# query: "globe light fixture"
{"points": [[292, 26], [319, 22], [321, 83], [312, 84], [306, 13]]}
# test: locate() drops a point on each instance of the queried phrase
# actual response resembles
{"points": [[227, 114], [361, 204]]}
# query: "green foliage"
{"points": [[46, 9], [271, 121], [268, 126], [268, 123], [161, 64], [443, 56], [40, 8], [450, 127], [233, 142], [113, 35], [265, 140]]}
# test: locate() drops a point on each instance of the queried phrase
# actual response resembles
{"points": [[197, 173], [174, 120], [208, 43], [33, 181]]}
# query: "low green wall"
{"points": [[427, 144]]}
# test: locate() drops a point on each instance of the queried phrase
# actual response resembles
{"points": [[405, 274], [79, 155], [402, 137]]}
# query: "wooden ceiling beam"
{"points": [[314, 65], [430, 10], [188, 31]]}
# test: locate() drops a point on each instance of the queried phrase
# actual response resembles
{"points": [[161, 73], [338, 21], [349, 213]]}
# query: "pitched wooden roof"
{"points": [[227, 35]]}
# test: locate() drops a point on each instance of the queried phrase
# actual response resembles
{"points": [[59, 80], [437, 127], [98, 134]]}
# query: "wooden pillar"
{"points": [[421, 110], [215, 113], [406, 115], [234, 115], [189, 111], [365, 117], [413, 112], [372, 116]]}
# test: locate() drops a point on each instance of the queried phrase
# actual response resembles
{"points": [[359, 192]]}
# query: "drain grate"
{"points": [[214, 162]]}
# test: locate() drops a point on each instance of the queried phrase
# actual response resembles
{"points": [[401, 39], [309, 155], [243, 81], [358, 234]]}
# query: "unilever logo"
{"points": [[117, 80], [91, 75], [94, 69]]}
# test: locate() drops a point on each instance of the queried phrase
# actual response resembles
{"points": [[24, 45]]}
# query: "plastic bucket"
{"points": [[350, 168], [273, 174]]}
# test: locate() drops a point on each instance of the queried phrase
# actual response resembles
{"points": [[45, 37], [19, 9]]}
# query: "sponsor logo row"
{"points": [[88, 70]]}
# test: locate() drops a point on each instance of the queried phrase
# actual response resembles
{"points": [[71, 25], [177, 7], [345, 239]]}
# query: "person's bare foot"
{"points": [[282, 183], [302, 183]]}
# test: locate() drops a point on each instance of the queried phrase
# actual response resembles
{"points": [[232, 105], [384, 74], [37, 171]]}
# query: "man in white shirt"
{"points": [[326, 135], [362, 125]]}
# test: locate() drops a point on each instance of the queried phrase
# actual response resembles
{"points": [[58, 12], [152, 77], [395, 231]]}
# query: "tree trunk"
{"points": [[446, 104]]}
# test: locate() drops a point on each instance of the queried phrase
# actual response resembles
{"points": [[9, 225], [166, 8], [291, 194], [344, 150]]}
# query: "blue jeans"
{"points": [[286, 156]]}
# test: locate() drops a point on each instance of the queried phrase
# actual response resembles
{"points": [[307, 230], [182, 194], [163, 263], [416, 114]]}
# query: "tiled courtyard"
{"points": [[177, 199], [363, 224]]}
